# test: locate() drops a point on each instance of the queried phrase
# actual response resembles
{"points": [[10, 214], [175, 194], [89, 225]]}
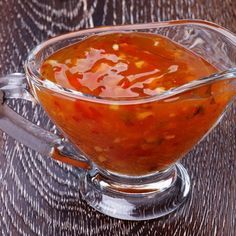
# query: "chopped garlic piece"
{"points": [[168, 137], [102, 158], [52, 62], [160, 90], [173, 68], [98, 149], [68, 61], [156, 43], [114, 107], [143, 115], [139, 64], [115, 47]]}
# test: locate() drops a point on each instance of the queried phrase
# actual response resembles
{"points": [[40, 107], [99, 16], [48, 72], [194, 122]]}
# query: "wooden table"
{"points": [[41, 197]]}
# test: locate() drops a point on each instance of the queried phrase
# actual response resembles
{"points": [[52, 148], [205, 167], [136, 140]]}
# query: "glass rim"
{"points": [[34, 75]]}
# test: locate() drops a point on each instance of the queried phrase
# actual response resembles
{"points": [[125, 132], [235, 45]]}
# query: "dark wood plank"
{"points": [[41, 197]]}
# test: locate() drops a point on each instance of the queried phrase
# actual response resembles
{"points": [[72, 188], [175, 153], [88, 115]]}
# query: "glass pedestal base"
{"points": [[140, 198]]}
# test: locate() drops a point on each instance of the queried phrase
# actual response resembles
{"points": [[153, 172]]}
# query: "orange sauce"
{"points": [[134, 139]]}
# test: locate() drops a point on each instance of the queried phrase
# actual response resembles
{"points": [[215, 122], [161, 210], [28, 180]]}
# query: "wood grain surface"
{"points": [[41, 197]]}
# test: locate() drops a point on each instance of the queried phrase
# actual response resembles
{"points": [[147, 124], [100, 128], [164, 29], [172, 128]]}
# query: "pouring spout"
{"points": [[230, 77], [224, 75], [227, 75]]}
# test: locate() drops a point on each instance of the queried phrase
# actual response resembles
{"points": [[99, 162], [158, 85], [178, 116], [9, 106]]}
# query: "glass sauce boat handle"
{"points": [[44, 142]]}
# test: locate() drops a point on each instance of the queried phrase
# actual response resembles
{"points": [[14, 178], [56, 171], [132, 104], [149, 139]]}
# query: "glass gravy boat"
{"points": [[149, 182]]}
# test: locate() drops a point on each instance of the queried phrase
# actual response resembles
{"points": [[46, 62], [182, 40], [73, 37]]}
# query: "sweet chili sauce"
{"points": [[131, 139]]}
